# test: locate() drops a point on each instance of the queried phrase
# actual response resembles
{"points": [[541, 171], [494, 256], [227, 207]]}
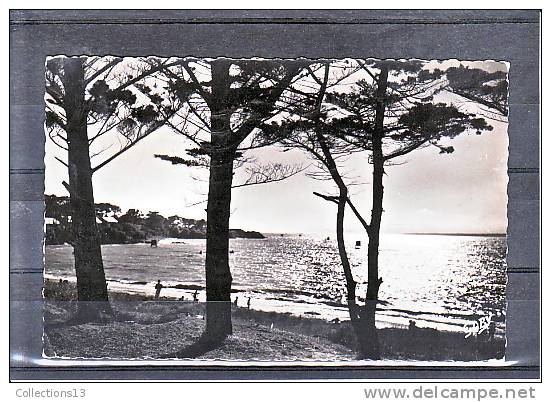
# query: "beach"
{"points": [[440, 282], [144, 328]]}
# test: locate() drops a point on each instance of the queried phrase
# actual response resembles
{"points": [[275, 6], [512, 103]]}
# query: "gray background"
{"points": [[512, 36]]}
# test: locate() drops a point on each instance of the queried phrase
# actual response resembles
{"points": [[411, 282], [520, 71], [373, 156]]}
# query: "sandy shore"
{"points": [[146, 328]]}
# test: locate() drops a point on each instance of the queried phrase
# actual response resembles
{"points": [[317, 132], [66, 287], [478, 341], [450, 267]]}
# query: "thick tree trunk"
{"points": [[218, 275], [370, 347], [91, 284], [370, 341]]}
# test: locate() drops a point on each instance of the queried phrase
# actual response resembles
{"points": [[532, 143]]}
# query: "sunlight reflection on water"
{"points": [[440, 281]]}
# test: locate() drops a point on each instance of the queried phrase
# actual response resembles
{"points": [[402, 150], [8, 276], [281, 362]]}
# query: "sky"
{"points": [[462, 192]]}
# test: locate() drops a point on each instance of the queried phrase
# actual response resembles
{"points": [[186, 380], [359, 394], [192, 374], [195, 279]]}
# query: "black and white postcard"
{"points": [[275, 210]]}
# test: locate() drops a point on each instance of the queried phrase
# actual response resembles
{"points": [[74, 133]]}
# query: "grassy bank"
{"points": [[146, 328]]}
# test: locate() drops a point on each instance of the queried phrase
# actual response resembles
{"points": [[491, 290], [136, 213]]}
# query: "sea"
{"points": [[447, 282]]}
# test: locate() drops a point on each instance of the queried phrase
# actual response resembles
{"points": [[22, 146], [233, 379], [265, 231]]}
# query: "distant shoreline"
{"points": [[458, 234]]}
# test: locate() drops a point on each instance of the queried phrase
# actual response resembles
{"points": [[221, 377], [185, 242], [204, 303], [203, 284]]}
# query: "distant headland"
{"points": [[132, 226], [459, 234]]}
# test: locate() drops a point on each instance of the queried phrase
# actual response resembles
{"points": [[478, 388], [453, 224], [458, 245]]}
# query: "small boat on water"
{"points": [[358, 243]]}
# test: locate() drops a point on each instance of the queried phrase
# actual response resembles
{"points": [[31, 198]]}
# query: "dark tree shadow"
{"points": [[205, 343], [83, 313]]}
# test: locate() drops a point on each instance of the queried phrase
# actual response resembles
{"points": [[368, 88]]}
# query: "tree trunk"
{"points": [[371, 341], [361, 329], [353, 308], [91, 285], [218, 275], [350, 282], [341, 207], [365, 336]]}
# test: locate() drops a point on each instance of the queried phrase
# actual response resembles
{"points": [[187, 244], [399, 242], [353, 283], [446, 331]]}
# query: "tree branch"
{"points": [[330, 198], [150, 130], [358, 215], [99, 72], [61, 161], [205, 95], [271, 173], [477, 99]]}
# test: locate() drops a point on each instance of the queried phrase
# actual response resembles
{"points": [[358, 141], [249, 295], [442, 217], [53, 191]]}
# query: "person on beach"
{"points": [[249, 303], [158, 288], [412, 325], [195, 296], [235, 301]]}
